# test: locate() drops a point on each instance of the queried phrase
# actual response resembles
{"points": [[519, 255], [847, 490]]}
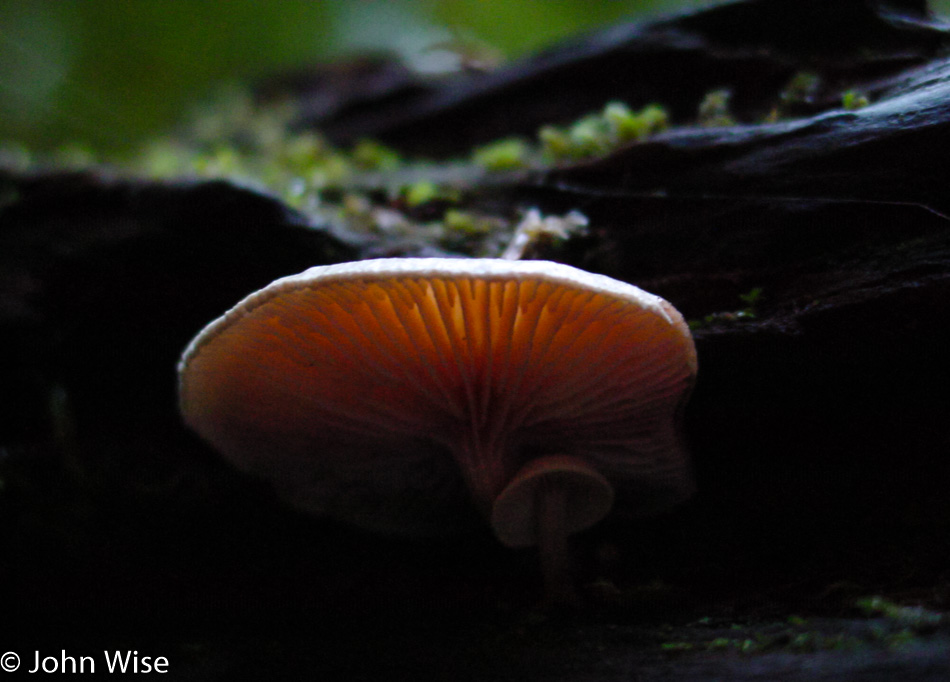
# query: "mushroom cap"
{"points": [[375, 392]]}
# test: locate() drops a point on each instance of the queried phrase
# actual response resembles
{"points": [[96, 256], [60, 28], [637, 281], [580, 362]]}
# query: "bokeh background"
{"points": [[106, 73]]}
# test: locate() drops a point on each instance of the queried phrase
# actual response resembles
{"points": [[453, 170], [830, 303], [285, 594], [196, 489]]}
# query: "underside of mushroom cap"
{"points": [[363, 389]]}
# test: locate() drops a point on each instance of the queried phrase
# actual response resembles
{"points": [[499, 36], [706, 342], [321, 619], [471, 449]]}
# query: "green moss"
{"points": [[237, 138], [714, 110], [901, 638], [466, 223], [555, 143], [421, 192], [371, 155], [853, 100], [425, 191], [623, 124], [587, 137], [460, 221], [601, 132], [897, 626], [800, 89], [916, 618], [789, 639], [626, 125], [752, 299], [507, 154], [677, 647], [222, 161], [301, 152], [590, 136]]}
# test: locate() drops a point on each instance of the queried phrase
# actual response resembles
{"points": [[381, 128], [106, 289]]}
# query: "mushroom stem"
{"points": [[551, 505], [550, 498]]}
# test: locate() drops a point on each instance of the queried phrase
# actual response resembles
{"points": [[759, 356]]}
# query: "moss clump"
{"points": [[790, 639], [507, 154], [714, 110], [853, 100], [421, 192], [372, 155], [601, 132], [677, 647], [916, 618], [626, 125], [237, 139], [752, 299], [800, 89]]}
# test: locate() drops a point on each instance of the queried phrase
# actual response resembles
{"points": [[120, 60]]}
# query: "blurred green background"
{"points": [[106, 73]]}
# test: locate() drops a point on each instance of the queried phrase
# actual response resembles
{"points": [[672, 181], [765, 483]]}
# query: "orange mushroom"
{"points": [[375, 392]]}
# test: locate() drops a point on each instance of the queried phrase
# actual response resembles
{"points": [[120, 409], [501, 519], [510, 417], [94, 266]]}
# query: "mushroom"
{"points": [[376, 392]]}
